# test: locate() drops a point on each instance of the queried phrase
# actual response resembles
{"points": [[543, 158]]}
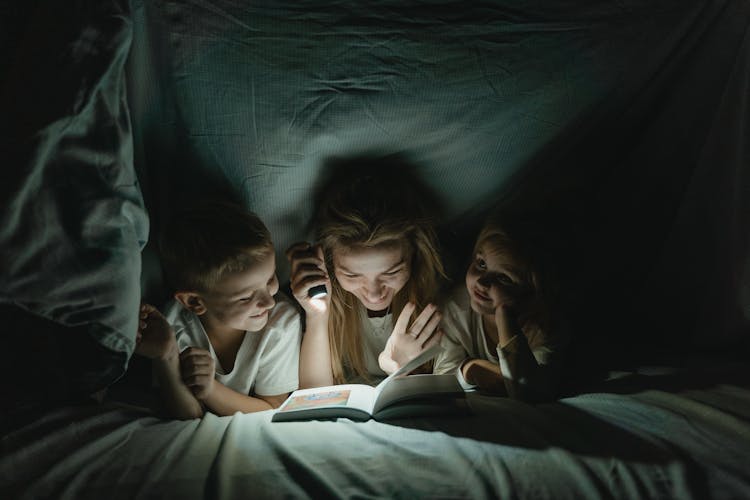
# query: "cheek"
{"points": [[239, 311], [398, 282], [471, 278], [347, 285], [225, 313]]}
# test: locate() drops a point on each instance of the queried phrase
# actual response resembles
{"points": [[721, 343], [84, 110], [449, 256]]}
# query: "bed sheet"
{"points": [[72, 219], [647, 444]]}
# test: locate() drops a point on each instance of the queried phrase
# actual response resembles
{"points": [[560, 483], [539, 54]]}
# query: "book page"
{"points": [[400, 385], [417, 386], [358, 396]]}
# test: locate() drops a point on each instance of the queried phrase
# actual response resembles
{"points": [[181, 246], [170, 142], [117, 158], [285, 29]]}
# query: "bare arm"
{"points": [[308, 270], [197, 369], [225, 401], [156, 340], [485, 375], [525, 378], [315, 354], [178, 400]]}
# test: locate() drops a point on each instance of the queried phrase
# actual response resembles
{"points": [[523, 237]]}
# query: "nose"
{"points": [[267, 301], [374, 291]]}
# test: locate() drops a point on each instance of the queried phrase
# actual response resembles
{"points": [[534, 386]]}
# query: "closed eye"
{"points": [[394, 272]]}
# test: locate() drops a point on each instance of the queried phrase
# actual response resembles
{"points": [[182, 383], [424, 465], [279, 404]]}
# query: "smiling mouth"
{"points": [[258, 316], [480, 296]]}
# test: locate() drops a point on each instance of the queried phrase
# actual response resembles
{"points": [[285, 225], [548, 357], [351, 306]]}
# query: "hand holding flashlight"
{"points": [[309, 277]]}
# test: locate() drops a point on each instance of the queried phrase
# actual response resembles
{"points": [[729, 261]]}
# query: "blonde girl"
{"points": [[499, 333], [377, 256]]}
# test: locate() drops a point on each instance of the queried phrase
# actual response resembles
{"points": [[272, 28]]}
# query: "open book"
{"points": [[396, 396]]}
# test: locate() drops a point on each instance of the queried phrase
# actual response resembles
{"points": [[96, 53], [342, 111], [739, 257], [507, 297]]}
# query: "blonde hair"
{"points": [[203, 243], [513, 242], [370, 211]]}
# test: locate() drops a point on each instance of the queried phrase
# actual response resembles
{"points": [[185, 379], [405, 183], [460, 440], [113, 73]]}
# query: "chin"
{"points": [[255, 325], [377, 308], [483, 310]]}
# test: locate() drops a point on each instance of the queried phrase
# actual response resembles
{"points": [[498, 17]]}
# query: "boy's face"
{"points": [[372, 274], [242, 300], [491, 281]]}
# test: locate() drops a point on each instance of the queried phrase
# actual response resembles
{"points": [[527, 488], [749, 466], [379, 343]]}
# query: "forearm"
{"points": [[178, 400], [224, 401], [525, 378], [315, 354], [484, 374]]}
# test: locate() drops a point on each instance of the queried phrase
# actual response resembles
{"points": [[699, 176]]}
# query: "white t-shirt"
{"points": [[527, 364], [267, 361], [375, 333]]}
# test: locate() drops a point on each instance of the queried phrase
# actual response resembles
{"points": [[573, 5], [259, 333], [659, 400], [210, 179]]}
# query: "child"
{"points": [[234, 343], [378, 260], [498, 332]]}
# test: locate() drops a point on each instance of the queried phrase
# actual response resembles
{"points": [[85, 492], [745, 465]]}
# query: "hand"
{"points": [[506, 321], [155, 338], [308, 269], [405, 344], [198, 369], [502, 296]]}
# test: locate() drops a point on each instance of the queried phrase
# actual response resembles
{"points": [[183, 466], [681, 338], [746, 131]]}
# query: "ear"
{"points": [[191, 301]]}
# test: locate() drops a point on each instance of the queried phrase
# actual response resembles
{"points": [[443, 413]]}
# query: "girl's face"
{"points": [[372, 274], [491, 280]]}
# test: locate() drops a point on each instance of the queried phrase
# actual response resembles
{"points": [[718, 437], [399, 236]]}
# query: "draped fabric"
{"points": [[72, 218], [622, 126]]}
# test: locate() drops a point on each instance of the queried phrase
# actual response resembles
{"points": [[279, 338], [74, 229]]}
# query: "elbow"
{"points": [[276, 403], [189, 413]]}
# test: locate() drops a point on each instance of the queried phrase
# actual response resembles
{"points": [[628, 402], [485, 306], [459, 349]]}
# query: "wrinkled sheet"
{"points": [[643, 444], [72, 219], [622, 124]]}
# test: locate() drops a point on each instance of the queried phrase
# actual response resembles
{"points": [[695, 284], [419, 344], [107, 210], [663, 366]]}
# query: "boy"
{"points": [[231, 346]]}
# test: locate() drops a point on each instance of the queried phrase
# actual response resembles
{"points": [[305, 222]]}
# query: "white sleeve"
{"points": [[278, 372], [451, 357], [467, 387]]}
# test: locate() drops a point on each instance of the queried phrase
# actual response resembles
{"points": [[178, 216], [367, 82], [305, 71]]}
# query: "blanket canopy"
{"points": [[619, 128]]}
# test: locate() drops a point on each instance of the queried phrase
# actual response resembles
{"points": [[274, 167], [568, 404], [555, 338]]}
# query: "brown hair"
{"points": [[369, 211], [202, 243]]}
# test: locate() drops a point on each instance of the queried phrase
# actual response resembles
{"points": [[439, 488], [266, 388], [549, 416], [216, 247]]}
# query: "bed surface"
{"points": [[623, 123], [628, 443]]}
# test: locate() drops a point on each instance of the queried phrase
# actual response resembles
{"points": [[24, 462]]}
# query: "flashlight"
{"points": [[317, 292]]}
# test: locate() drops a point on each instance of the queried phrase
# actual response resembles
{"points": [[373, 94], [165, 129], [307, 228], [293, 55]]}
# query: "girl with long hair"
{"points": [[376, 254]]}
